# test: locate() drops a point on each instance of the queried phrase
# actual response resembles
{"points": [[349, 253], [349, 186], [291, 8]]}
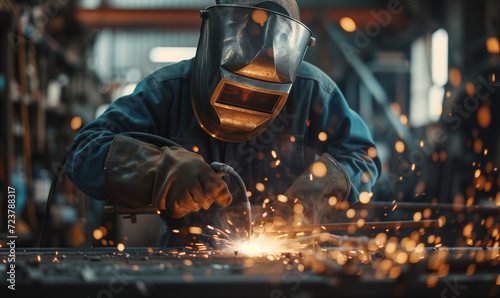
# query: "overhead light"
{"points": [[440, 57], [171, 54]]}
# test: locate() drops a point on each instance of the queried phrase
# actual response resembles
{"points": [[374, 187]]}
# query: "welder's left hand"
{"points": [[322, 187], [138, 174]]}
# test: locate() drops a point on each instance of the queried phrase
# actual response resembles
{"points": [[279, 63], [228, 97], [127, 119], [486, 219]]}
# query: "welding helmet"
{"points": [[247, 58]]}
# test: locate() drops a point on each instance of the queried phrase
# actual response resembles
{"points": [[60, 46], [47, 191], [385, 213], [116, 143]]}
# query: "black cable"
{"points": [[217, 166]]}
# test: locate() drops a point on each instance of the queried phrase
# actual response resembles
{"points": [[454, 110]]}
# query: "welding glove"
{"points": [[316, 196], [137, 174]]}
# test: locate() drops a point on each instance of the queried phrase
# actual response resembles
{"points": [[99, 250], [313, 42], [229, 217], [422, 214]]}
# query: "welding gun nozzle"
{"points": [[221, 167], [227, 170]]}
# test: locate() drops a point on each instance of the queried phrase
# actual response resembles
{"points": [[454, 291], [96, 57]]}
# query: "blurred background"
{"points": [[422, 74]]}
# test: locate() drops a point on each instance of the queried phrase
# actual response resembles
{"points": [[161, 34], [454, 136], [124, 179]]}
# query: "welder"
{"points": [[246, 99]]}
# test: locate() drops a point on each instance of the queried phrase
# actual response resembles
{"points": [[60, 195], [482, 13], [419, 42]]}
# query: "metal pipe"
{"points": [[423, 206], [435, 223]]}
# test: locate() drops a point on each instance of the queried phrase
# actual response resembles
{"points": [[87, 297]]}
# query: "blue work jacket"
{"points": [[314, 120]]}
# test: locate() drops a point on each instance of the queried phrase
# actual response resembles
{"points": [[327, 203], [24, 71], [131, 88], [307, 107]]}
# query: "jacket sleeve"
{"points": [[349, 141], [142, 111]]}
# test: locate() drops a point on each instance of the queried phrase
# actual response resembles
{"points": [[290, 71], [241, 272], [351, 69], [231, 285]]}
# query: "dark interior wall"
{"points": [[6, 150]]}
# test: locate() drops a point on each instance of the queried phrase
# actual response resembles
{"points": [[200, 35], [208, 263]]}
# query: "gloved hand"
{"points": [[324, 179], [171, 178]]}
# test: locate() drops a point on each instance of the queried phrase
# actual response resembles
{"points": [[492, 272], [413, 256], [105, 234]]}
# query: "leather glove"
{"points": [[171, 178], [325, 178]]}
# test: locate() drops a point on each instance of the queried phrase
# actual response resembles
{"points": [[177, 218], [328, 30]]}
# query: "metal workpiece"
{"points": [[327, 272]]}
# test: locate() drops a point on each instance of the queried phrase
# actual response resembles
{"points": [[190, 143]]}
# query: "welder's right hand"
{"points": [[171, 178]]}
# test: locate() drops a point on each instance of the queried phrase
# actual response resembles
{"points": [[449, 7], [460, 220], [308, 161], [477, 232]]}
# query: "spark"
{"points": [[281, 236], [403, 119], [282, 198], [273, 153], [348, 24], [195, 230], [364, 197], [318, 169], [493, 45], [400, 146], [97, 234], [120, 247], [350, 213]]}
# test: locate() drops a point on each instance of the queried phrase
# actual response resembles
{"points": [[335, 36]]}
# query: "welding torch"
{"points": [[227, 170]]}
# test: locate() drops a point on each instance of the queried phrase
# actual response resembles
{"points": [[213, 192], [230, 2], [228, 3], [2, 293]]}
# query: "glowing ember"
{"points": [[364, 197], [120, 247], [318, 169], [493, 45], [98, 234], [348, 24], [282, 198], [400, 146]]}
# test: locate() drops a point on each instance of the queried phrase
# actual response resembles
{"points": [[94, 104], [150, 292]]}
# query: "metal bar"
{"points": [[188, 18], [162, 18], [115, 210], [435, 223], [432, 207]]}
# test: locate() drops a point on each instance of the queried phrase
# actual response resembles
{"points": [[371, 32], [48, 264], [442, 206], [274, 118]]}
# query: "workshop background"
{"points": [[422, 74]]}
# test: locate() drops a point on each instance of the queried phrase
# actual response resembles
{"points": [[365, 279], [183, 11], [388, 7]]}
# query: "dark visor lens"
{"points": [[248, 99]]}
